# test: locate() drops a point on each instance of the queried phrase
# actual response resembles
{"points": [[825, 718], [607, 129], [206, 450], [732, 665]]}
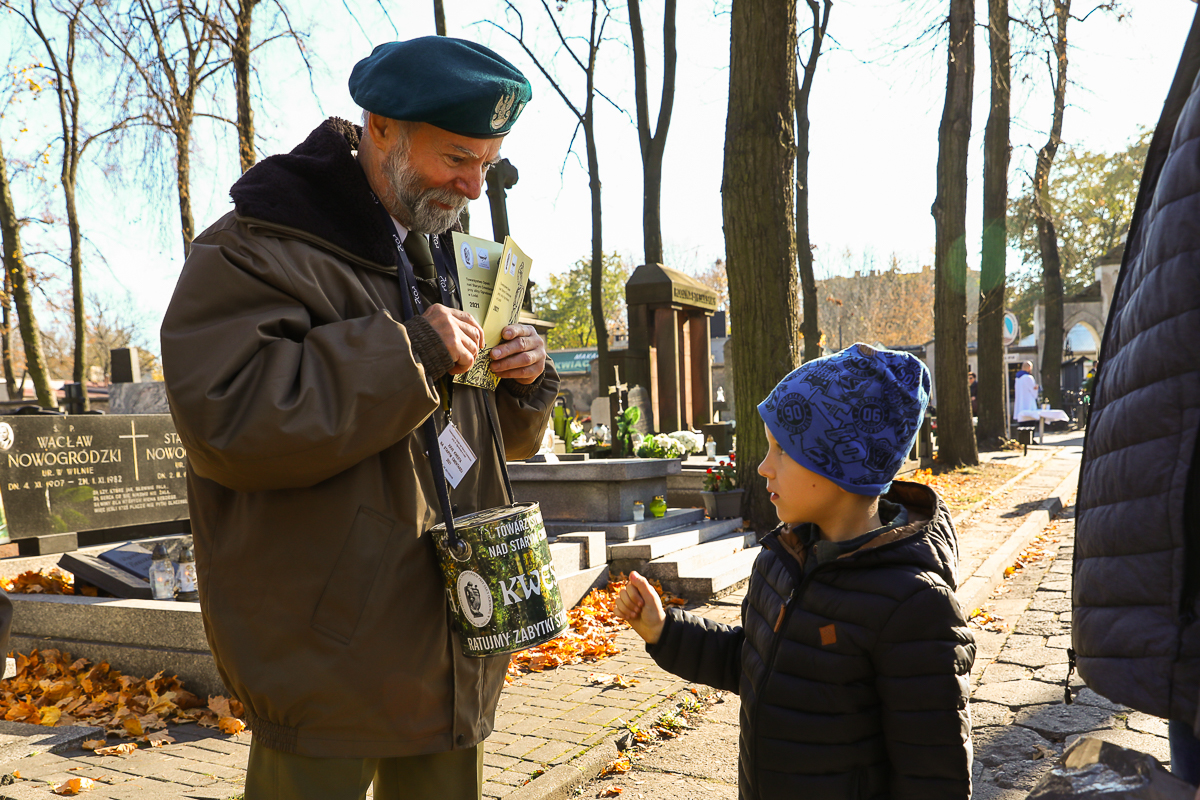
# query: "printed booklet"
{"points": [[492, 280]]}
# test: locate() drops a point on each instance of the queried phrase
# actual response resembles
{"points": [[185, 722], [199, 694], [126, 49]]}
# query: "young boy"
{"points": [[853, 657]]}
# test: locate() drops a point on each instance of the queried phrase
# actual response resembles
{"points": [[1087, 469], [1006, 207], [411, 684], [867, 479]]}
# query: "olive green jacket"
{"points": [[300, 397]]}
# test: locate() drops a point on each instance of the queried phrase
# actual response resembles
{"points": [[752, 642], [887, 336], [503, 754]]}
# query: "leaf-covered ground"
{"points": [[965, 486], [52, 688], [592, 634]]}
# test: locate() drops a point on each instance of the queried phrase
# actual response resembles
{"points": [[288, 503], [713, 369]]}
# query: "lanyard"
{"points": [[411, 299]]}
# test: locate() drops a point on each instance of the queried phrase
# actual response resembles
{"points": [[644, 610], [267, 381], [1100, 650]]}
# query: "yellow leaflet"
{"points": [[478, 263], [505, 307]]}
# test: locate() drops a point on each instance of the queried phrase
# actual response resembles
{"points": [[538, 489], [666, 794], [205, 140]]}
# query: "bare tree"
{"points": [[653, 144], [17, 277], [1054, 20], [956, 434], [993, 377], [235, 32], [62, 39], [810, 324], [170, 49], [585, 119], [758, 207], [439, 17]]}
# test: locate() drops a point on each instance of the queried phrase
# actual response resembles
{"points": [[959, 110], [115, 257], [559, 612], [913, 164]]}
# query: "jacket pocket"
{"points": [[345, 594]]}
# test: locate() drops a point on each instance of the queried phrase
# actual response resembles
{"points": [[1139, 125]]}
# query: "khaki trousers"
{"points": [[274, 775]]}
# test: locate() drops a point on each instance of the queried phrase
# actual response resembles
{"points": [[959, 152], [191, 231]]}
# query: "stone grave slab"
{"points": [[121, 571], [60, 475], [593, 491]]}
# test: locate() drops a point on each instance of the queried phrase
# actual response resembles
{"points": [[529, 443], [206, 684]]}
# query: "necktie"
{"points": [[417, 248]]}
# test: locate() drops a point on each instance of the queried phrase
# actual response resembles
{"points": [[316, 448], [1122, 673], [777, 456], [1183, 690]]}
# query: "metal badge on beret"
{"points": [[454, 84]]}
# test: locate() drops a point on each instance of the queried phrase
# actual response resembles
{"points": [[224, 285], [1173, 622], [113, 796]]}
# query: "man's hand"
{"points": [[521, 356], [459, 331], [638, 604]]}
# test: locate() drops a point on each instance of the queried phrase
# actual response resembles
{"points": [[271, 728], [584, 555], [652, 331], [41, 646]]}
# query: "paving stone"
{"points": [[1089, 698], [553, 752], [997, 672], [1032, 656], [1022, 775], [987, 714], [986, 790], [1061, 642], [1156, 746], [522, 746], [1017, 694], [1144, 723], [1060, 585], [1051, 601], [1057, 674], [728, 710], [1002, 744], [1060, 721], [1042, 623]]}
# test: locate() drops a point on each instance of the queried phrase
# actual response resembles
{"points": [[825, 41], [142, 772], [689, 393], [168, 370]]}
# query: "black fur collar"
{"points": [[319, 188]]}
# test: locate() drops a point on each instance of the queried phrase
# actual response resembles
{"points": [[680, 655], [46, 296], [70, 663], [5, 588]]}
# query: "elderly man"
{"points": [[301, 386]]}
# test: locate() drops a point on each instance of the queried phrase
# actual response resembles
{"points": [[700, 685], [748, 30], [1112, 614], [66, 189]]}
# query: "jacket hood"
{"points": [[320, 189], [927, 542]]}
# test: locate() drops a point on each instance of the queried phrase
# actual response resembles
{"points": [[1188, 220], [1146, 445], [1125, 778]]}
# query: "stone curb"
{"points": [[561, 782], [976, 589]]}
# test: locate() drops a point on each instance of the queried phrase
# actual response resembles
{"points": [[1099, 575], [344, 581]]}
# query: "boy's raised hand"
{"points": [[638, 604]]}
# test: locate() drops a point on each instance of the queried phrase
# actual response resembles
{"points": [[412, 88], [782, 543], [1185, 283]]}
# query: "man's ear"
{"points": [[380, 129]]}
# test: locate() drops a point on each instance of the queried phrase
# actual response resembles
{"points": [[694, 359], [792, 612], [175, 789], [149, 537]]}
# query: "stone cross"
{"points": [[618, 401]]}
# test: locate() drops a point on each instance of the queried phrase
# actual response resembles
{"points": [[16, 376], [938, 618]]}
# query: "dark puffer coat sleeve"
{"points": [[700, 650], [922, 659]]}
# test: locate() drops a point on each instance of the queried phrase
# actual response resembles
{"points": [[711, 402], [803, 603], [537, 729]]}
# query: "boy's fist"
{"points": [[638, 604]]}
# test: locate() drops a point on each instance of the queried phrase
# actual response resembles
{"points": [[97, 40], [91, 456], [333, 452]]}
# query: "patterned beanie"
{"points": [[851, 417]]}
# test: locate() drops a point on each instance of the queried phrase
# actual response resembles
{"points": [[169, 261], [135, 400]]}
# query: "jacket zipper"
{"points": [[785, 612]]}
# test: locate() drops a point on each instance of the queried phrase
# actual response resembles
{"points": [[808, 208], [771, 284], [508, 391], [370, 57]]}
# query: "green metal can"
{"points": [[500, 581]]}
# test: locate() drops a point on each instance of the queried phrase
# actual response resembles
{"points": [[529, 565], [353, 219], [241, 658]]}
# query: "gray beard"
{"points": [[414, 207]]}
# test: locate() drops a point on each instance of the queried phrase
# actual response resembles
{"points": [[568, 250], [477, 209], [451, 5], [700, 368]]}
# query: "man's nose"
{"points": [[470, 183]]}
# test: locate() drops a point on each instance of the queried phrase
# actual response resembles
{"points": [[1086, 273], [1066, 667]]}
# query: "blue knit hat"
{"points": [[851, 417]]}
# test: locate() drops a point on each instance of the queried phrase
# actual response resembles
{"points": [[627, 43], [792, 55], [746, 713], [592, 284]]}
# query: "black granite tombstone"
{"points": [[62, 475]]}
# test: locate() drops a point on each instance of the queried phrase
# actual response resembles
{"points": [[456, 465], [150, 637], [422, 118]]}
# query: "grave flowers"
{"points": [[660, 445], [722, 498]]}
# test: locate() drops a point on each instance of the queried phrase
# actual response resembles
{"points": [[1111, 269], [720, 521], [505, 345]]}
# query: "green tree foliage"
{"points": [[566, 301], [1092, 196]]}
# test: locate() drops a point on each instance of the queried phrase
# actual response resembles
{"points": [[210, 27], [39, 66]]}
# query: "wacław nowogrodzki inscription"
{"points": [[60, 474]]}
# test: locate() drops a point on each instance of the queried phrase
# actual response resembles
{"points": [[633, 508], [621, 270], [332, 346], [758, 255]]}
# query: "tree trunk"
{"points": [[241, 81], [1052, 282], [79, 313], [593, 160], [15, 269], [809, 324], [956, 435], [757, 204], [10, 376], [183, 172], [993, 375], [439, 18], [653, 145]]}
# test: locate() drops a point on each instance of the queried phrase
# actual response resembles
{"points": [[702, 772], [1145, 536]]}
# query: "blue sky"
{"points": [[874, 112]]}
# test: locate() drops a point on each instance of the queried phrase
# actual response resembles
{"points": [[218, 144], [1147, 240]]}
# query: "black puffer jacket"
{"points": [[1136, 626], [853, 678]]}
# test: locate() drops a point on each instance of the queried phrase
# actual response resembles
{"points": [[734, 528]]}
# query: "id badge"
{"points": [[457, 458]]}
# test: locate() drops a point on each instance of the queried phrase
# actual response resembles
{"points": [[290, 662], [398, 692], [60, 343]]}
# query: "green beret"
{"points": [[456, 85]]}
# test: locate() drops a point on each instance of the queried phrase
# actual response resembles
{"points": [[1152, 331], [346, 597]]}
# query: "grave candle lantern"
{"points": [[187, 574], [162, 574], [639, 511]]}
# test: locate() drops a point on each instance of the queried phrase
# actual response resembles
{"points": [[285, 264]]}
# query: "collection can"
{"points": [[500, 580]]}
